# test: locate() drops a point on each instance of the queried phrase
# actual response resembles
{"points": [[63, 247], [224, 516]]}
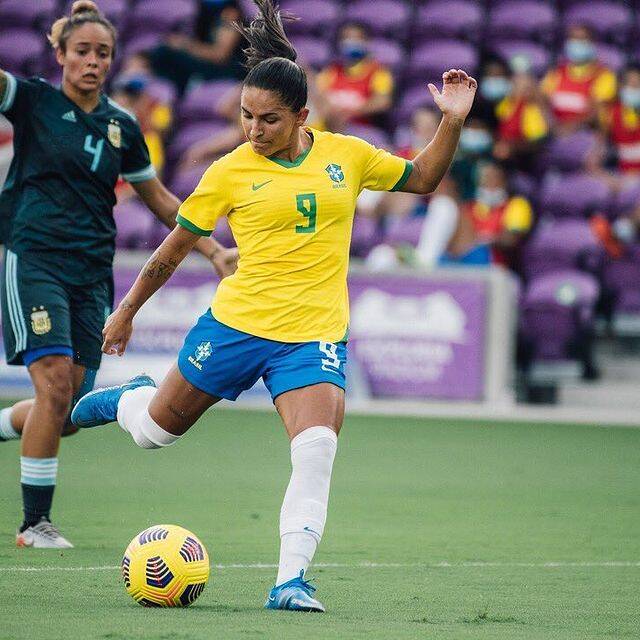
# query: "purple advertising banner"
{"points": [[419, 338]]}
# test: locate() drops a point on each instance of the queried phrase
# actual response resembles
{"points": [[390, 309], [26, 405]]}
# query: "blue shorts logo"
{"points": [[203, 351]]}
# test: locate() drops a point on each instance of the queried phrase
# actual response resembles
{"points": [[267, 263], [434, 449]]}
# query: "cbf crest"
{"points": [[203, 351], [335, 172], [114, 133], [40, 321]]}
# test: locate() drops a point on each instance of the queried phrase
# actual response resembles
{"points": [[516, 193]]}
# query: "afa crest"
{"points": [[335, 172], [114, 133], [40, 321]]}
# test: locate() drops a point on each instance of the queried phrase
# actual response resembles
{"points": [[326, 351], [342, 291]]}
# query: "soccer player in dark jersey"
{"points": [[56, 223]]}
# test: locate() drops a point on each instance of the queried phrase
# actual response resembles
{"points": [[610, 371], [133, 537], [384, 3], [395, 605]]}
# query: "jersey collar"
{"points": [[290, 164]]}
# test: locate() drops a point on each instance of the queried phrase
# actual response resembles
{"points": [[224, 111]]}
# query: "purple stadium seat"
{"points": [[434, 19], [185, 181], [192, 133], [203, 101], [612, 57], [162, 90], [388, 52], [317, 17], [365, 235], [523, 19], [161, 16], [626, 199], [570, 152], [404, 231], [557, 314], [21, 13], [222, 233], [248, 8], [312, 51], [141, 42], [384, 18], [412, 98], [561, 244], [135, 225], [373, 135], [429, 61], [538, 55], [620, 278], [574, 195], [607, 19], [21, 51]]}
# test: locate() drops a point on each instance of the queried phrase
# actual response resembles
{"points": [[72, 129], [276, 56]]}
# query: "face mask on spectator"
{"points": [[630, 97], [491, 197], [494, 88], [475, 140], [579, 51], [353, 50]]}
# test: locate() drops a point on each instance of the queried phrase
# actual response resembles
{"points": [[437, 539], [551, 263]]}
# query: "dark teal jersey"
{"points": [[57, 202]]}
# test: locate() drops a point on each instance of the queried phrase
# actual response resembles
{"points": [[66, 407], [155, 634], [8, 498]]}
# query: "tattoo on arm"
{"points": [[157, 268]]}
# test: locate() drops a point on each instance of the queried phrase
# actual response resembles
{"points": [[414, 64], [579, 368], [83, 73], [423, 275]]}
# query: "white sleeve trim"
{"points": [[140, 176], [9, 93]]}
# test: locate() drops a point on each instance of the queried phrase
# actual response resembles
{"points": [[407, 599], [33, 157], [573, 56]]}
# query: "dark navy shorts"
{"points": [[224, 362]]}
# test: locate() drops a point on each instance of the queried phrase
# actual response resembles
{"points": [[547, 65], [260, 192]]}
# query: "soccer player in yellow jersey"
{"points": [[289, 194]]}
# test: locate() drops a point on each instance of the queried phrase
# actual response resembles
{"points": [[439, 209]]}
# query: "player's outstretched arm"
{"points": [[157, 270], [164, 205], [429, 167]]}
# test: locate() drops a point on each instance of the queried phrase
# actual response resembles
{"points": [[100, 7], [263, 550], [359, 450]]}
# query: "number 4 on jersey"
{"points": [[94, 150]]}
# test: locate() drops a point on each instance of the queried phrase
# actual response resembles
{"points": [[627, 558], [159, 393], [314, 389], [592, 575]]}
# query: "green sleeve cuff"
{"points": [[183, 222], [408, 168]]}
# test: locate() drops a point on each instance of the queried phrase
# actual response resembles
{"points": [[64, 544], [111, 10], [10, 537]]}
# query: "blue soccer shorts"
{"points": [[224, 362]]}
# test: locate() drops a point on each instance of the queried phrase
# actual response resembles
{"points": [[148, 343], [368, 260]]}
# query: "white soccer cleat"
{"points": [[42, 535]]}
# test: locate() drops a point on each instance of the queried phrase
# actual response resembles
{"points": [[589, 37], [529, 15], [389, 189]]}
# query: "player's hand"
{"points": [[458, 91], [225, 262], [117, 332]]}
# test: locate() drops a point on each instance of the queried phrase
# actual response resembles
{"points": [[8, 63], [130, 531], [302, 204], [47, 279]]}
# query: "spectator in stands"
{"points": [[578, 88], [522, 123], [487, 230], [622, 122], [495, 84], [356, 88], [214, 52]]}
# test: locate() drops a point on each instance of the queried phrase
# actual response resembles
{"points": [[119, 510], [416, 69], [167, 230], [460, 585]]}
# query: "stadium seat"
{"points": [[312, 51], [135, 225], [626, 199], [21, 51], [413, 97], [192, 133], [162, 16], [620, 280], [403, 231], [366, 234], [19, 13], [434, 19], [428, 61], [612, 57], [538, 55], [388, 52], [202, 103], [523, 19], [185, 181], [608, 20], [141, 42], [574, 195], [316, 17], [384, 18], [569, 152], [373, 135], [557, 317], [561, 244], [222, 233]]}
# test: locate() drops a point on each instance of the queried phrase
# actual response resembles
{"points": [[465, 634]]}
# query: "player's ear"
{"points": [[60, 56], [302, 116]]}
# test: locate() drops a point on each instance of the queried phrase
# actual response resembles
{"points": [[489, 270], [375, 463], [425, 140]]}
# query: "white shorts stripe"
{"points": [[21, 344], [14, 312]]}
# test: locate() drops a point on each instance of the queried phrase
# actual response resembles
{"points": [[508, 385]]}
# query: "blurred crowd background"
{"points": [[546, 181]]}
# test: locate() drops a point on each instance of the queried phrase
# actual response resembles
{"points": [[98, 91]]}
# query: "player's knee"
{"points": [[53, 382]]}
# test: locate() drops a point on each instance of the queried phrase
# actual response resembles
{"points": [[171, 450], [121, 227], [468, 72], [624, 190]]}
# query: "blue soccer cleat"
{"points": [[294, 595], [101, 406]]}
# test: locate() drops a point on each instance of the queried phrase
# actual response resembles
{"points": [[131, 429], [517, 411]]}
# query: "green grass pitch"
{"points": [[461, 517]]}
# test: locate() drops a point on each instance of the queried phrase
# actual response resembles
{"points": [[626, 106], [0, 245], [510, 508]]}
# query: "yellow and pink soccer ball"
{"points": [[165, 566]]}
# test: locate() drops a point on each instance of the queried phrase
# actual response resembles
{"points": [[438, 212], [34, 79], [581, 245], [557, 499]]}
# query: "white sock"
{"points": [[304, 509], [7, 432], [134, 418]]}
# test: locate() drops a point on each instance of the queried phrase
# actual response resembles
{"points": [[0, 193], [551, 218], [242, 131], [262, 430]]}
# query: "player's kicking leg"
{"points": [[153, 417]]}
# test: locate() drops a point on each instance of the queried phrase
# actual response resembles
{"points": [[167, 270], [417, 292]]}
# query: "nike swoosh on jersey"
{"points": [[255, 186]]}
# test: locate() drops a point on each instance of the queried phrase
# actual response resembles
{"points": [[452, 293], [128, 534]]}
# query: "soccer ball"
{"points": [[165, 566]]}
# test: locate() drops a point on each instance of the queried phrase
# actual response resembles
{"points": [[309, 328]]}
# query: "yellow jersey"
{"points": [[292, 223]]}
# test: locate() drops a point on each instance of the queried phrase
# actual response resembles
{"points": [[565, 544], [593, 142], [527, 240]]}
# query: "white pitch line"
{"points": [[372, 565]]}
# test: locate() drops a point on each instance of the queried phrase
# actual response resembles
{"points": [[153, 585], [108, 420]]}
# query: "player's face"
{"points": [[87, 58], [269, 125]]}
